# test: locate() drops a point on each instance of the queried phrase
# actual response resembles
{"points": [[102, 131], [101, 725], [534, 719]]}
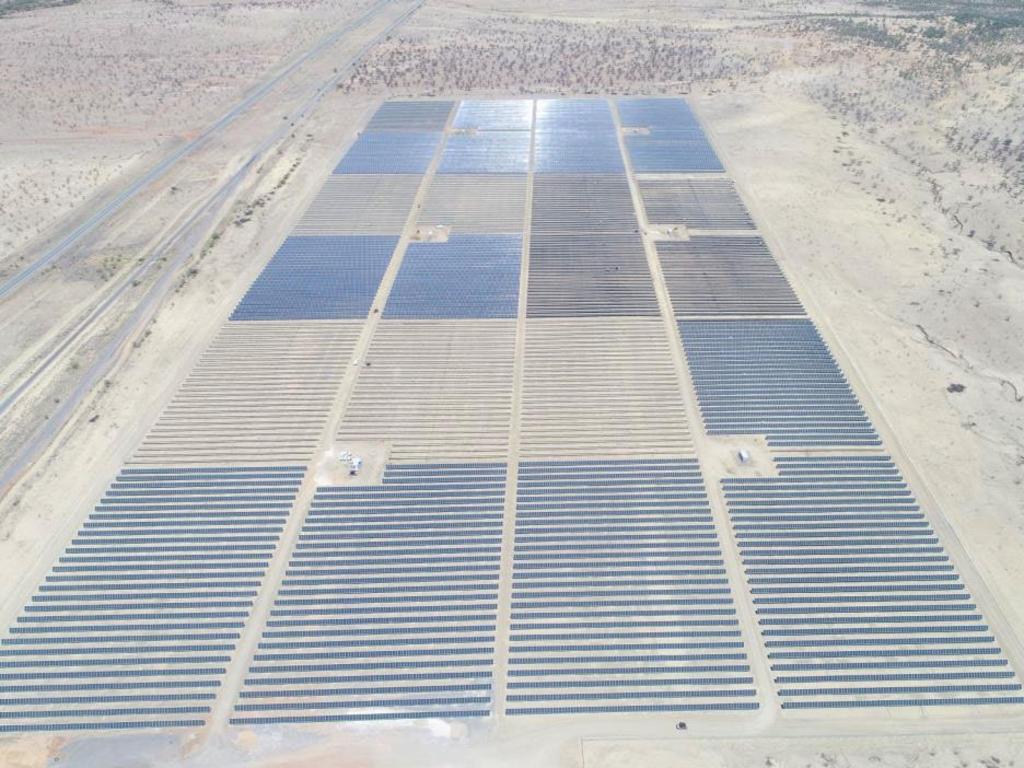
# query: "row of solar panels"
{"points": [[619, 599], [568, 136]]}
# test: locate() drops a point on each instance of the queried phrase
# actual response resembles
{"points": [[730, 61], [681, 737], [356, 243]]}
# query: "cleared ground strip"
{"points": [[435, 388], [480, 204], [360, 205], [600, 387], [261, 392]]}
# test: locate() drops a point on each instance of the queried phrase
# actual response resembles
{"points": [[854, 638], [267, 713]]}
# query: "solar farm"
{"points": [[614, 469]]}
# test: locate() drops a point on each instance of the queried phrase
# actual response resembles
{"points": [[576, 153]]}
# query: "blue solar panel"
{"points": [[577, 152], [610, 565], [584, 115], [671, 152], [140, 612], [390, 152], [492, 152], [664, 114], [772, 377], [319, 278], [362, 599], [886, 613], [468, 276], [495, 114]]}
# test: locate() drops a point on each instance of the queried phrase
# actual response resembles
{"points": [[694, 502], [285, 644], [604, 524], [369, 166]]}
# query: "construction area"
{"points": [[523, 427]]}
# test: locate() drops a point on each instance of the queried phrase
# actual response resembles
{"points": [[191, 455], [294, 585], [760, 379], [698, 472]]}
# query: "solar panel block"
{"points": [[318, 278], [261, 392], [705, 203], [135, 624], [389, 604], [470, 276], [671, 152], [857, 601], [591, 116], [600, 386], [490, 152], [662, 114], [355, 204], [589, 275], [495, 114], [720, 275], [577, 152], [432, 388], [776, 378], [583, 203], [620, 601], [391, 152], [481, 204], [421, 115]]}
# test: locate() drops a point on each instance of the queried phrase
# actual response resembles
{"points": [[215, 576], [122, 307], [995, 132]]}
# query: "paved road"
{"points": [[102, 215], [176, 248]]}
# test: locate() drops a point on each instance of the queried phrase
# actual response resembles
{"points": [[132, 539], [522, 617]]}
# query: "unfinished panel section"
{"points": [[482, 204], [261, 392], [600, 387], [495, 114], [584, 274], [388, 608], [319, 278], [391, 152], [774, 378], [355, 204], [136, 623], [857, 600], [710, 203], [584, 203], [486, 152], [422, 115], [620, 601], [470, 276], [725, 276], [432, 388]]}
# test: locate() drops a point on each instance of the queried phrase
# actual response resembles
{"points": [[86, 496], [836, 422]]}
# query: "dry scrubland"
{"points": [[91, 88]]}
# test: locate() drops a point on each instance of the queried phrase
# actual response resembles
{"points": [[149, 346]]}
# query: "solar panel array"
{"points": [[469, 276], [703, 203], [135, 624], [359, 204], [388, 608], [491, 292], [723, 276], [620, 601], [857, 601], [666, 138], [776, 378], [319, 278]]}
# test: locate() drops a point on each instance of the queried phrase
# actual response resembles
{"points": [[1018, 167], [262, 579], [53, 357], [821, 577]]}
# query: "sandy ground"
{"points": [[151, 71], [900, 227]]}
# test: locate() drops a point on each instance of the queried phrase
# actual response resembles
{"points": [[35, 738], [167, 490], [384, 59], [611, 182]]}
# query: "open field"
{"points": [[864, 221]]}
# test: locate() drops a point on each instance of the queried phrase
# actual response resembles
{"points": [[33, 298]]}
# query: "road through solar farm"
{"points": [[522, 435]]}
